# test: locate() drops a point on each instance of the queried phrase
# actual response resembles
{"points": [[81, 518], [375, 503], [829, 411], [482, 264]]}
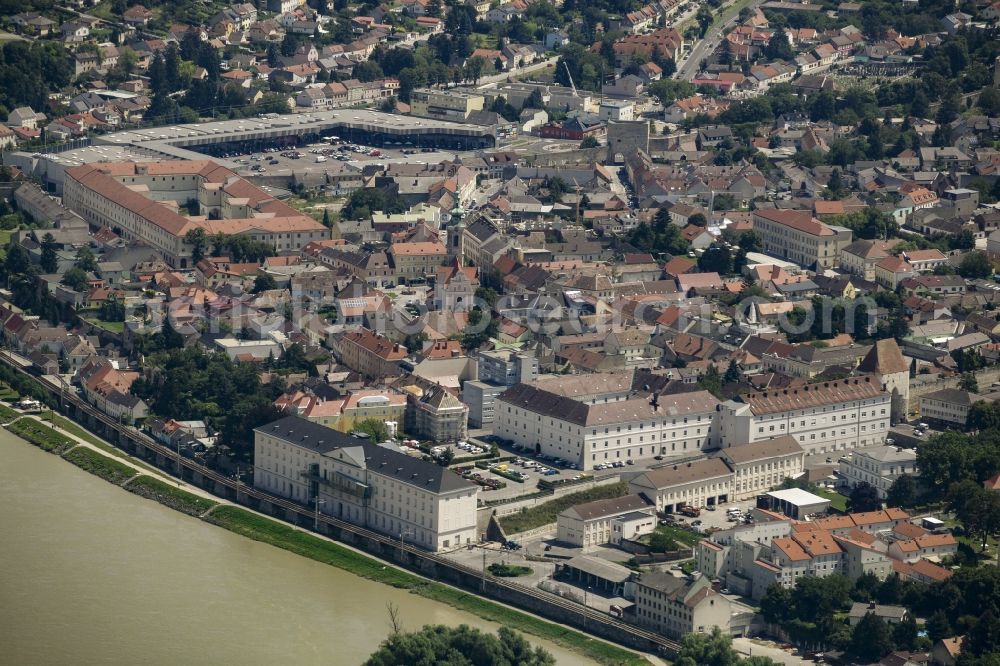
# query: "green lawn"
{"points": [[837, 501], [681, 536], [110, 326], [175, 498], [543, 514], [100, 465], [40, 435], [84, 434]]}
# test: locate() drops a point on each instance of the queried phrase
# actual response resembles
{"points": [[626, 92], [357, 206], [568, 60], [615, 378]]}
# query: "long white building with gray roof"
{"points": [[595, 419], [365, 483]]}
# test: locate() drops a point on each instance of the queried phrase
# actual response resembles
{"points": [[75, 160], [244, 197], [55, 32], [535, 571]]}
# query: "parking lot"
{"points": [[318, 157]]}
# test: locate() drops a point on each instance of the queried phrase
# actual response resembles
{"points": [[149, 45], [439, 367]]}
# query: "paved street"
{"points": [[704, 47]]}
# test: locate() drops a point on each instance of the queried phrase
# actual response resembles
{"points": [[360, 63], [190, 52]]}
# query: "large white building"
{"points": [[797, 236], [823, 417], [878, 466], [677, 606], [594, 419], [707, 482], [604, 521], [366, 484], [759, 466]]}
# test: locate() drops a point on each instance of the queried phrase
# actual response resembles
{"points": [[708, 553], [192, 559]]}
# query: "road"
{"points": [[704, 47]]}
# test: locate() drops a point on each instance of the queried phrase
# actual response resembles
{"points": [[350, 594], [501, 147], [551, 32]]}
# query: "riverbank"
{"points": [[266, 530]]}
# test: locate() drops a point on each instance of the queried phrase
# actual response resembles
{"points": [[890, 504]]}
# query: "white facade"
{"points": [[678, 606], [761, 466], [700, 483], [878, 467], [606, 427], [823, 417], [365, 484]]}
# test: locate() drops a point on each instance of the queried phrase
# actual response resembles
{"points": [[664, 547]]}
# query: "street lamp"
{"points": [[238, 476], [402, 533], [318, 502]]}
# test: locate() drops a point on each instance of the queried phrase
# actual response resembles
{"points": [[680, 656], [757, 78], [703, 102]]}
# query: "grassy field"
{"points": [[110, 326], [166, 494], [7, 414], [543, 514], [100, 465], [79, 431], [40, 435], [684, 537], [837, 501], [302, 543]]}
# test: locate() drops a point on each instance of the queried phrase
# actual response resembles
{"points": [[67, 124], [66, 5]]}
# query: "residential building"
{"points": [[145, 200], [108, 388], [369, 485], [878, 466], [445, 104], [369, 354], [417, 261], [947, 407], [434, 413], [675, 606], [601, 522]]}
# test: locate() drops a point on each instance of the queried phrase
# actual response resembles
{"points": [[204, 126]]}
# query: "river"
{"points": [[92, 574]]}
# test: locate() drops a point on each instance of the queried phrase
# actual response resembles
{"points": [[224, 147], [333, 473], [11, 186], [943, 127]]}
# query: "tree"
{"points": [[871, 639], [938, 626], [49, 261], [459, 646], [779, 48], [711, 381], [374, 428], [863, 497], [902, 492], [977, 508], [983, 416], [85, 259], [975, 265], [714, 649], [264, 282], [589, 142], [733, 373], [984, 638], [198, 240], [75, 279], [968, 382], [698, 220], [716, 259], [904, 634]]}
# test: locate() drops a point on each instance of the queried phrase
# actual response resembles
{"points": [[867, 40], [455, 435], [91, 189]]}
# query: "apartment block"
{"points": [[878, 466]]}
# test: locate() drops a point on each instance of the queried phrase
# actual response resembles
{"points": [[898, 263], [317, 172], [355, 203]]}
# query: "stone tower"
{"points": [[456, 234], [885, 360]]}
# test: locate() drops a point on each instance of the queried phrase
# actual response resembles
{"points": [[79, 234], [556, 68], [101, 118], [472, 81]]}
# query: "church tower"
{"points": [[886, 361]]}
